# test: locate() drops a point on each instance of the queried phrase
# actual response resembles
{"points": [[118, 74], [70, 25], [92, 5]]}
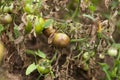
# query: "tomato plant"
{"points": [[43, 65]]}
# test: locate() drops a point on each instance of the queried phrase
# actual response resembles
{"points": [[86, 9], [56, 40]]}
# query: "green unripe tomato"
{"points": [[101, 56], [43, 69], [85, 67], [86, 56], [28, 8], [6, 19], [6, 9], [38, 26], [11, 7], [44, 66], [112, 52]]}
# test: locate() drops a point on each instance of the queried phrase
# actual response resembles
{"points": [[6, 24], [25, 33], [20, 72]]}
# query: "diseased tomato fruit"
{"points": [[6, 19], [60, 40], [1, 51], [48, 31], [38, 26], [44, 66]]}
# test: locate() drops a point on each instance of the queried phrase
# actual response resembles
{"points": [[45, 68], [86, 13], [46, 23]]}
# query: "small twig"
{"points": [[23, 19], [56, 64]]}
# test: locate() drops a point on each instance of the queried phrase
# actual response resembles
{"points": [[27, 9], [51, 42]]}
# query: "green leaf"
{"points": [[78, 40], [89, 16], [1, 28], [105, 68], [114, 4], [106, 15], [54, 57], [16, 32], [30, 52], [104, 65], [114, 72], [52, 74], [76, 12], [28, 27], [40, 54], [116, 45], [31, 68], [95, 2], [92, 8], [119, 12], [117, 64], [47, 23]]}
